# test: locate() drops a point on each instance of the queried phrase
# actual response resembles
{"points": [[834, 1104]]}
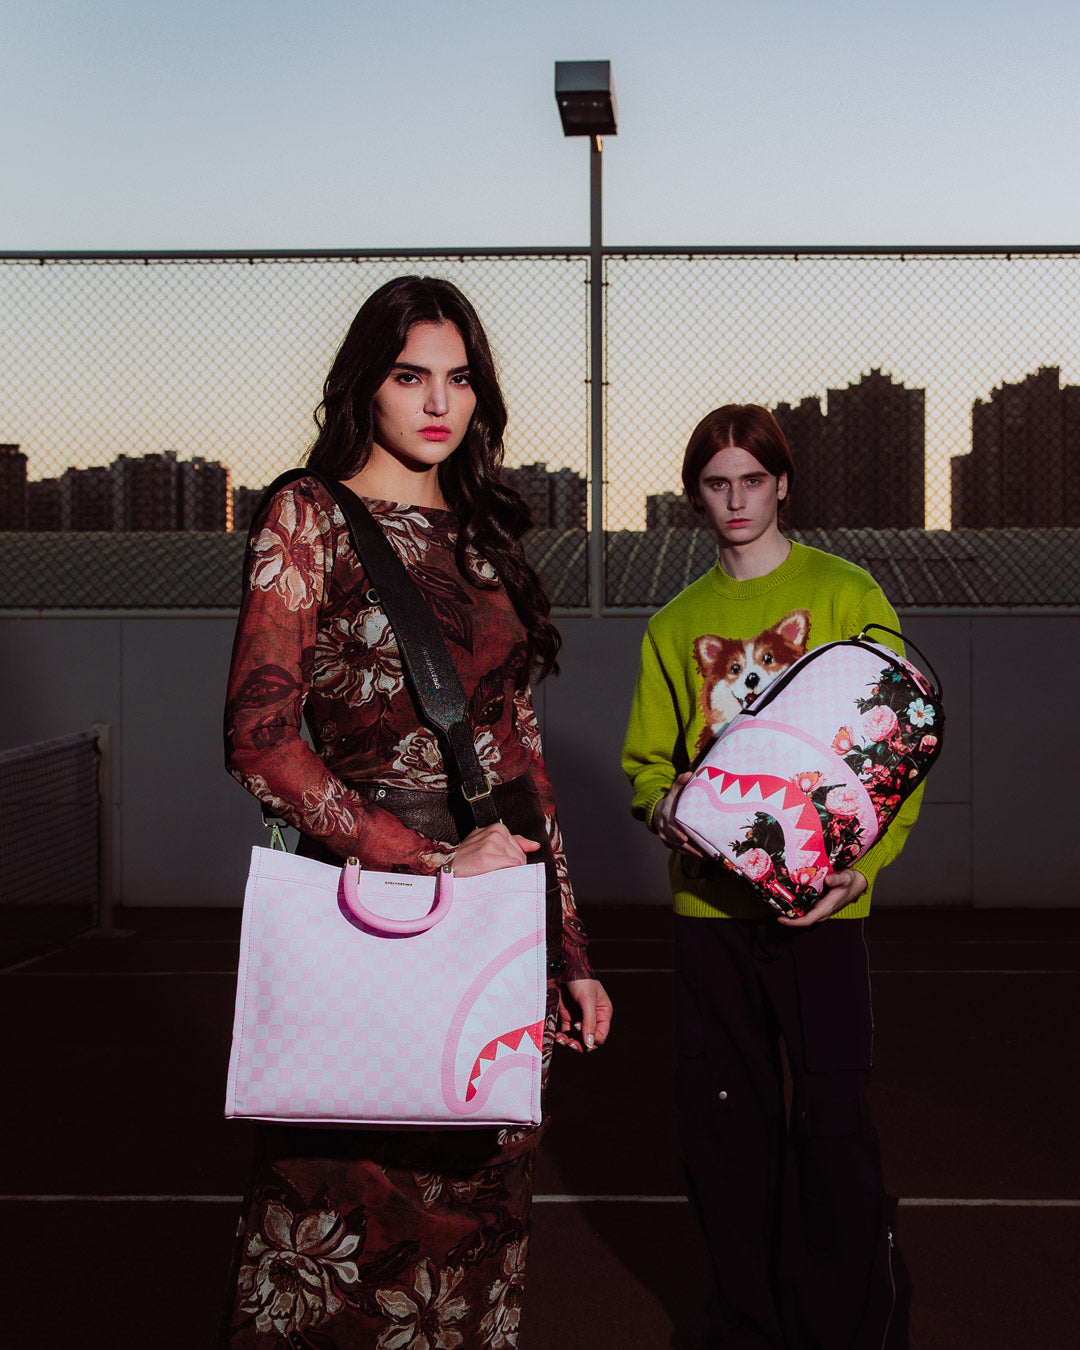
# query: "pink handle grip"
{"points": [[444, 898]]}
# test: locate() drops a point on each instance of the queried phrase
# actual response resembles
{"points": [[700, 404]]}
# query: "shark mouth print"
{"points": [[830, 764], [500, 1047], [489, 1015], [804, 843]]}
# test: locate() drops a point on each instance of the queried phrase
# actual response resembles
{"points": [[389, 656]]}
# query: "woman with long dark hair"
{"points": [[392, 1238]]}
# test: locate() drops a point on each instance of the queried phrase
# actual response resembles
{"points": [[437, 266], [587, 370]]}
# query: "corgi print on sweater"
{"points": [[736, 671]]}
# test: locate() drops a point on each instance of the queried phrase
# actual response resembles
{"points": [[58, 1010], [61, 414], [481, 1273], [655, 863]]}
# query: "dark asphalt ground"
{"points": [[119, 1174]]}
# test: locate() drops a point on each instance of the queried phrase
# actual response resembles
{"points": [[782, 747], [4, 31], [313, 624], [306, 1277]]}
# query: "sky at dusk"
{"points": [[281, 124]]}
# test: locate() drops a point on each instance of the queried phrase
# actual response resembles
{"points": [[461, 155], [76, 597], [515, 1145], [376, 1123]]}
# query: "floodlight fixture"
{"points": [[585, 93]]}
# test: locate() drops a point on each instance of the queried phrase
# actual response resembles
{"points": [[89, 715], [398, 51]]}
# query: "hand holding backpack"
{"points": [[806, 780]]}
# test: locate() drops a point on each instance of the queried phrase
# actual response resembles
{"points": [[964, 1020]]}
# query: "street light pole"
{"points": [[585, 93], [596, 376]]}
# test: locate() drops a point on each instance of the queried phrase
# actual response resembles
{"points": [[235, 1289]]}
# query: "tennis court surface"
{"points": [[121, 1180]]}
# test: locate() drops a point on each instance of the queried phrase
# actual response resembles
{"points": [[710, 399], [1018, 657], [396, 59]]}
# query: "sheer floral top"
{"points": [[308, 636]]}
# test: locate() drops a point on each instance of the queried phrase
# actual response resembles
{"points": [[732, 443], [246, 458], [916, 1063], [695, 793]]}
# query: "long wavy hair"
{"points": [[491, 516], [748, 426]]}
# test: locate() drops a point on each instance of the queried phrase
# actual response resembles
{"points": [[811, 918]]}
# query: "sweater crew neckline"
{"points": [[732, 589]]}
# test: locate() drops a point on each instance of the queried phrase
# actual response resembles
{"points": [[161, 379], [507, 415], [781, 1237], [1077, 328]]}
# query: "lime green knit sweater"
{"points": [[716, 642]]}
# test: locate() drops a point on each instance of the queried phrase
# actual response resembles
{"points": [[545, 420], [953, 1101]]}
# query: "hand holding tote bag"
{"points": [[382, 999], [806, 780]]}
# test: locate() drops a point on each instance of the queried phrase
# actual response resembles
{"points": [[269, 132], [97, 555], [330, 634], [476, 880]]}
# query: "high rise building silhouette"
{"points": [[816, 496], [145, 492], [245, 501], [157, 492], [45, 511], [556, 498], [87, 499], [530, 481], [14, 493], [568, 495], [861, 463], [1024, 465], [671, 510], [205, 497]]}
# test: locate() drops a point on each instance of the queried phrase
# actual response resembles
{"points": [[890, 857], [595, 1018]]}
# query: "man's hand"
{"points": [[663, 820], [841, 888]]}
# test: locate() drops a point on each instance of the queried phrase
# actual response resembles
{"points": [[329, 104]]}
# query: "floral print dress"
{"points": [[377, 1239]]}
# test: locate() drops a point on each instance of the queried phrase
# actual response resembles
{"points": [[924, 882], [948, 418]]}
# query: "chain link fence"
{"points": [[932, 401], [145, 402]]}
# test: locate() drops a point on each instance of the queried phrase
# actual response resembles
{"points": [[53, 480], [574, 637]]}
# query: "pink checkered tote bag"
{"points": [[804, 781], [382, 999]]}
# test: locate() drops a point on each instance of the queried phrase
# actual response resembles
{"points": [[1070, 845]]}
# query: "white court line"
{"points": [[972, 941], [121, 1199], [880, 970], [874, 970], [938, 1202], [123, 974], [871, 939], [925, 1203]]}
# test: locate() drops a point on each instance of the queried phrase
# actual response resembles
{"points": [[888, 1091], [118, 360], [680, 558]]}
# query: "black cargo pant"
{"points": [[799, 1229]]}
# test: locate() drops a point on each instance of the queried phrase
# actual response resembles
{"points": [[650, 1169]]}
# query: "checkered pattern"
{"points": [[340, 1024], [821, 698]]}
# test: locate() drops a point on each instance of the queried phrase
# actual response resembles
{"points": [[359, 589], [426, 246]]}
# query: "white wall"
{"points": [[997, 827]]}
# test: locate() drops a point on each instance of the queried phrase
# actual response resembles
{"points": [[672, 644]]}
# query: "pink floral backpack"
{"points": [[806, 780]]}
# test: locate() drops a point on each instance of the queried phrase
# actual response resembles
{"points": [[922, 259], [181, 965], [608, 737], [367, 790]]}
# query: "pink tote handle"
{"points": [[444, 898]]}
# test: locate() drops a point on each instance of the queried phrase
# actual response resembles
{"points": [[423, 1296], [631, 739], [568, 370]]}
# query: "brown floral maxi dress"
{"points": [[354, 1238]]}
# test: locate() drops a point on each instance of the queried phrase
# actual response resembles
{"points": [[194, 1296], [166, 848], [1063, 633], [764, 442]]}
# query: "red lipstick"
{"points": [[435, 432]]}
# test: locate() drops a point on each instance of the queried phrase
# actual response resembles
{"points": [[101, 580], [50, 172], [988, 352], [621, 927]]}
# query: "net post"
{"points": [[106, 852]]}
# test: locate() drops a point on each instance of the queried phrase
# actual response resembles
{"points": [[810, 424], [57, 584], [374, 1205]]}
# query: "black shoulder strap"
{"points": [[435, 683]]}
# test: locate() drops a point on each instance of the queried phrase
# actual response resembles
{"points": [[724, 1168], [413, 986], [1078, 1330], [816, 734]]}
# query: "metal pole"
{"points": [[106, 852], [596, 380]]}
